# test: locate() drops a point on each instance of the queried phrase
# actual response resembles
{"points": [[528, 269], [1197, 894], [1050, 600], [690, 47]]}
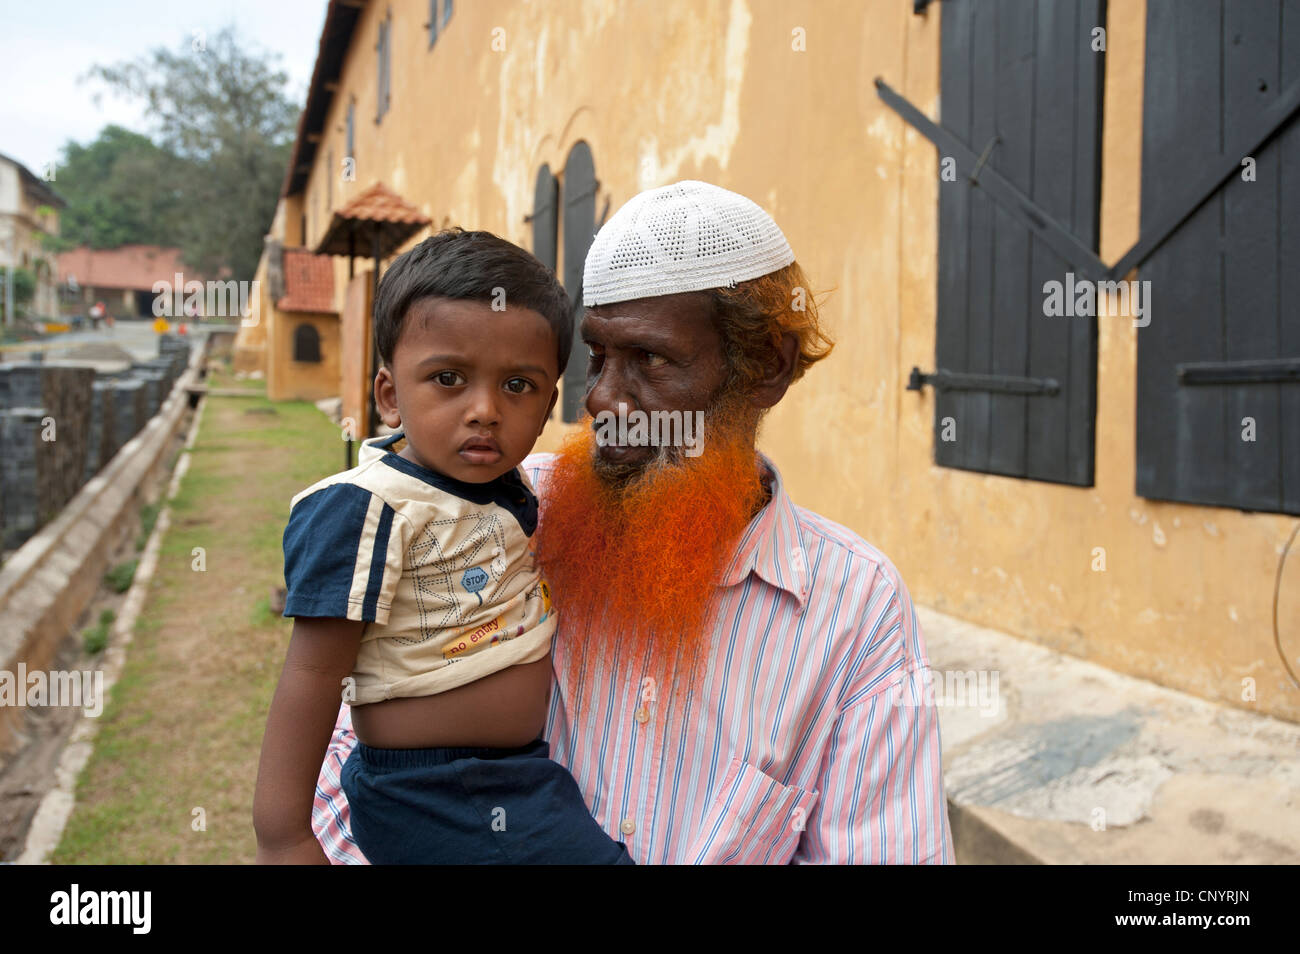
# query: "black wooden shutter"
{"points": [[545, 218], [579, 230], [1025, 73], [1225, 286]]}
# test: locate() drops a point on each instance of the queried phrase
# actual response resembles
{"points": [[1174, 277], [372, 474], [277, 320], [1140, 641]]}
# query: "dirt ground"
{"points": [[172, 776]]}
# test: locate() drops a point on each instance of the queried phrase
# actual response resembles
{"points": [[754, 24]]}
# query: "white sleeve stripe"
{"points": [[365, 555]]}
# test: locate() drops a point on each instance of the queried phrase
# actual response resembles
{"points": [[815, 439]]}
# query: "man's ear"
{"points": [[555, 396], [779, 373], [386, 398]]}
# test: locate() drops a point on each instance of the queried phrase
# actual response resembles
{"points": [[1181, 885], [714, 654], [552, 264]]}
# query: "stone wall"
{"points": [[60, 425]]}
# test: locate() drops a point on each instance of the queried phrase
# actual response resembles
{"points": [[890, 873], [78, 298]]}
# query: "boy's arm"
{"points": [[322, 652]]}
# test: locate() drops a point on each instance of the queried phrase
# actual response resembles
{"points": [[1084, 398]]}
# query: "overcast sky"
{"points": [[47, 45]]}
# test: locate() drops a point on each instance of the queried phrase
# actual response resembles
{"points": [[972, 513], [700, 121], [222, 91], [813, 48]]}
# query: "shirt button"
{"points": [[627, 827], [642, 716]]}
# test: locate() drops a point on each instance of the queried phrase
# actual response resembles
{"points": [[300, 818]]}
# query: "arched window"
{"points": [[306, 343], [579, 218]]}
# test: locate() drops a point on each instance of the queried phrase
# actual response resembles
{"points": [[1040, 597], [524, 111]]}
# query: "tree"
{"points": [[120, 188], [24, 291], [221, 110]]}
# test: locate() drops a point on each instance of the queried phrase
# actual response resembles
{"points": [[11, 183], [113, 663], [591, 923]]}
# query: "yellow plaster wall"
{"points": [[290, 380], [715, 90]]}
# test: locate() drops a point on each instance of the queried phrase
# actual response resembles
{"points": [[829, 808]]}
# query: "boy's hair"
{"points": [[470, 266]]}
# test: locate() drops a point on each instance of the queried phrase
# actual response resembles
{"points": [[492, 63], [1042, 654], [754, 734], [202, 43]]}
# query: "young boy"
{"points": [[415, 592]]}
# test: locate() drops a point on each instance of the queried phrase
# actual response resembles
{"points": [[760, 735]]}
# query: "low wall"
{"points": [[48, 582]]}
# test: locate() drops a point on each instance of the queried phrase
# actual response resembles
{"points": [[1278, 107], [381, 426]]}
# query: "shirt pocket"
{"points": [[752, 820]]}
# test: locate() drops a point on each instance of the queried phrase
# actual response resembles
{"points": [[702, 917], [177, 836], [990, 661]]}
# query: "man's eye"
{"points": [[519, 385], [448, 378], [655, 360]]}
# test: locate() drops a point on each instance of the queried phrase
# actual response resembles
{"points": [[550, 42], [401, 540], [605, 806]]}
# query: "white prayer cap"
{"points": [[684, 237]]}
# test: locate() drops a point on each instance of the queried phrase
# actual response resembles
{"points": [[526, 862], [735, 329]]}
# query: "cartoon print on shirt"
{"points": [[445, 573]]}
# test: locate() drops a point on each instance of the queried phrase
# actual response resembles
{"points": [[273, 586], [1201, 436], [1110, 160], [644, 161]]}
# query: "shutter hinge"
{"points": [[942, 380], [1270, 371]]}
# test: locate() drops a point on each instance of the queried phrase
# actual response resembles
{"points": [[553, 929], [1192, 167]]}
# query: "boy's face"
{"points": [[470, 386]]}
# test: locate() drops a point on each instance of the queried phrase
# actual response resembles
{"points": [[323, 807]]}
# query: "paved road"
{"points": [[137, 338]]}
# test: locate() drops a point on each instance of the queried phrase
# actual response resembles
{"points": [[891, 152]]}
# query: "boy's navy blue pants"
{"points": [[472, 805]]}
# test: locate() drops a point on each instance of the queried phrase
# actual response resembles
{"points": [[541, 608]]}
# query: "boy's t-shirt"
{"points": [[442, 571]]}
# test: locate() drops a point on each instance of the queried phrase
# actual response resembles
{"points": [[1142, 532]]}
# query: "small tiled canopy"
{"points": [[377, 212]]}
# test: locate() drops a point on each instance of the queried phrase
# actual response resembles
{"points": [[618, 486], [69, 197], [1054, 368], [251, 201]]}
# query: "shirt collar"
{"points": [[373, 447], [771, 546]]}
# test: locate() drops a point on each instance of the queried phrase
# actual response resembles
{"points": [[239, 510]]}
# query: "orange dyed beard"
{"points": [[634, 561]]}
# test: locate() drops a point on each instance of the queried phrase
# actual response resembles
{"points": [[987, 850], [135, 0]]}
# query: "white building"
{"points": [[29, 211]]}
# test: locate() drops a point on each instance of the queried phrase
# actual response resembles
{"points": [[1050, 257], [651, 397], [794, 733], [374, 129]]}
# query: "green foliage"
{"points": [[222, 115], [119, 578], [95, 638], [120, 189], [148, 517], [24, 288]]}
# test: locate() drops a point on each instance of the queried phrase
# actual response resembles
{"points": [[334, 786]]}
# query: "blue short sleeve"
{"points": [[338, 558]]}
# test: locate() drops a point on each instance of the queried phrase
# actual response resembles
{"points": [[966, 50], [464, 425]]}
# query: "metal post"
{"points": [[9, 275], [374, 343]]}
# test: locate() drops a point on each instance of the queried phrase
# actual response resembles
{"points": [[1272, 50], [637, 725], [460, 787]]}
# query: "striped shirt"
{"points": [[810, 742]]}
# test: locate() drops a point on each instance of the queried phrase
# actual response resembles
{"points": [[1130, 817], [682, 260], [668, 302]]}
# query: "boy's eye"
{"points": [[449, 378], [519, 385]]}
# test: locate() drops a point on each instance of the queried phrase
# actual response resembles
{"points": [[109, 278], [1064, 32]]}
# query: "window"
{"points": [[306, 344], [436, 23], [579, 229], [545, 218], [383, 59], [1218, 362], [1022, 92], [352, 129]]}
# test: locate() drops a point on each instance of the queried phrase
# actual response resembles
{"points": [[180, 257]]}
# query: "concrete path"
{"points": [[1052, 759]]}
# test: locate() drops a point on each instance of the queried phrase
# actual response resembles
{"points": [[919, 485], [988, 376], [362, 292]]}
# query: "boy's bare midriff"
{"points": [[504, 710]]}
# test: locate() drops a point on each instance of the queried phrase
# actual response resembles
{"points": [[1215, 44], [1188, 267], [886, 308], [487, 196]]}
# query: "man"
{"points": [[736, 678]]}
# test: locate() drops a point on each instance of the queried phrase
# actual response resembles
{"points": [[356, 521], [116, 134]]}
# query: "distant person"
{"points": [[97, 311], [412, 577]]}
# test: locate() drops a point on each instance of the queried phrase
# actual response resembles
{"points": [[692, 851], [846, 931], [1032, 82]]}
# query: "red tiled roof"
{"points": [[381, 204], [131, 266], [378, 214], [308, 282]]}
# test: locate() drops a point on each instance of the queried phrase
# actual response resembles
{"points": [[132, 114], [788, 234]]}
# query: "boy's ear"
{"points": [[386, 398], [555, 396]]}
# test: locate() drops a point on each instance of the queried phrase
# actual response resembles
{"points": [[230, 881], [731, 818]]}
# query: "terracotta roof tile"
{"points": [[131, 266], [308, 282], [380, 204]]}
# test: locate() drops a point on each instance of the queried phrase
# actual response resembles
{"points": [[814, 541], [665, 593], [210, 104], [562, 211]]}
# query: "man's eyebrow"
{"points": [[639, 337]]}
